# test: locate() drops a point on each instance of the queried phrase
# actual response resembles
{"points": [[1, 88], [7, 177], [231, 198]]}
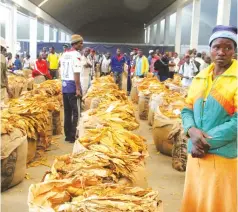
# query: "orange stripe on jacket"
{"points": [[228, 105]]}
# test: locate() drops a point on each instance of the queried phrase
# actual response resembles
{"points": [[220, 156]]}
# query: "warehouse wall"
{"points": [[125, 48], [113, 31]]}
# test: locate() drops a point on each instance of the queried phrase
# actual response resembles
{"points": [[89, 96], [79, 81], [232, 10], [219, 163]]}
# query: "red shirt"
{"points": [[41, 68], [119, 57]]}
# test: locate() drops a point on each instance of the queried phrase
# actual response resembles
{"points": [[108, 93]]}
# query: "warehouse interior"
{"points": [[138, 115]]}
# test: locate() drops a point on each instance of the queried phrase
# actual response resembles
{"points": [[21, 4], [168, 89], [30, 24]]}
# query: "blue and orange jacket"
{"points": [[211, 106]]}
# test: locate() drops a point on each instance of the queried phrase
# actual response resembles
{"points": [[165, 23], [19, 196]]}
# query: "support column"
{"points": [[166, 31], [11, 30], [62, 36], [33, 37], [148, 34], [158, 33], [55, 35], [145, 38], [46, 33], [224, 12], [67, 38], [178, 32], [151, 33], [155, 32], [195, 24]]}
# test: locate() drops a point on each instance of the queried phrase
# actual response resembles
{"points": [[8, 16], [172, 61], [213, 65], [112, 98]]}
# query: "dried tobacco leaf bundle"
{"points": [[93, 164], [71, 195]]}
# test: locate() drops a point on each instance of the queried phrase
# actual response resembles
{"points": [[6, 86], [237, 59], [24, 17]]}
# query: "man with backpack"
{"points": [[187, 71]]}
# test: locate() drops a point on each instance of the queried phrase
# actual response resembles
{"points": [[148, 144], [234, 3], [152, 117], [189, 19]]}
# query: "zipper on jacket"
{"points": [[203, 103]]}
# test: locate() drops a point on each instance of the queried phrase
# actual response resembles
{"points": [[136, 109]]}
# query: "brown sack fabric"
{"points": [[179, 152], [143, 106], [13, 161], [164, 131]]}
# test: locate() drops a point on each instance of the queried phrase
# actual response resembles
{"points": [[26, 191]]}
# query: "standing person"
{"points": [[40, 72], [44, 53], [187, 71], [135, 56], [199, 61], [172, 66], [203, 55], [206, 63], [71, 67], [130, 64], [176, 60], [106, 65], [194, 53], [151, 52], [3, 66], [210, 121], [135, 51], [117, 65], [152, 61], [17, 63], [27, 62], [157, 52], [161, 66], [92, 58], [9, 61], [85, 75], [99, 58], [53, 60], [142, 65], [65, 48]]}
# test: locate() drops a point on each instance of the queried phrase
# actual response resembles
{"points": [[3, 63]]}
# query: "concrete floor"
{"points": [[161, 177]]}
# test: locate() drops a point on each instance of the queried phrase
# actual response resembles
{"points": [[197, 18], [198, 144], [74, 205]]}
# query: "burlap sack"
{"points": [[13, 159], [87, 103], [134, 91], [143, 106], [30, 85], [31, 152], [140, 176], [95, 102], [151, 117], [179, 151], [56, 120], [164, 131], [155, 101], [27, 73], [134, 95], [39, 79]]}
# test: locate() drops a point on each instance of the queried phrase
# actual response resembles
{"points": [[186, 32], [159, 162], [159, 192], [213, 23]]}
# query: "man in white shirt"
{"points": [[207, 62], [27, 64], [187, 71], [199, 61], [174, 65], [71, 67], [176, 61], [106, 65], [92, 58], [85, 75]]}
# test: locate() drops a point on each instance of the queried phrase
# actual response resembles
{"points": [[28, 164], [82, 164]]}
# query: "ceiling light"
{"points": [[43, 2]]}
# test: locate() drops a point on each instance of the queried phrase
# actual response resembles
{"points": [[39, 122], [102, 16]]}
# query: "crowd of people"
{"points": [[163, 65], [209, 117]]}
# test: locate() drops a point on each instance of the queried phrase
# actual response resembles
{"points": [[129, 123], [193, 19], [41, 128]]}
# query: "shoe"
{"points": [[69, 140]]}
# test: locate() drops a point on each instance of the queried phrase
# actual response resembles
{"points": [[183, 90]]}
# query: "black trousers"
{"points": [[104, 74], [70, 116], [171, 75], [54, 73]]}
